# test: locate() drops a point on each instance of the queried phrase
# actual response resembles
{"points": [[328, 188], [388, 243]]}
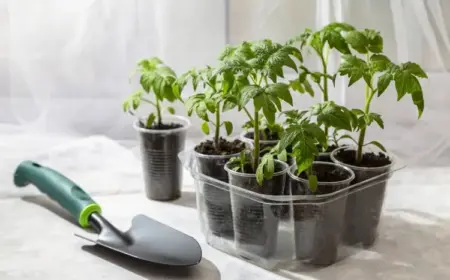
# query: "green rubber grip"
{"points": [[59, 188]]}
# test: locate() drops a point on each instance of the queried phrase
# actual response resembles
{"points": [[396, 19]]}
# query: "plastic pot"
{"points": [[319, 217], [216, 199], [245, 136], [365, 201], [162, 171], [256, 222]]}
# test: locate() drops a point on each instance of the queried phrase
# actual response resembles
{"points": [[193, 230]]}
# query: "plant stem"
{"points": [[158, 113], [256, 142], [325, 89], [248, 114], [362, 134], [217, 133]]}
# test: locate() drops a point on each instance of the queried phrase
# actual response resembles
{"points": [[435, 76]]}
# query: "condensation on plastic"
{"points": [[287, 254], [162, 171]]}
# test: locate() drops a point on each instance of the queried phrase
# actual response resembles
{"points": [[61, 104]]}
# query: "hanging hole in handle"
{"points": [[36, 164]]}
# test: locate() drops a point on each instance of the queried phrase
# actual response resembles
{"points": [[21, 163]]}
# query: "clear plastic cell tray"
{"points": [[289, 231]]}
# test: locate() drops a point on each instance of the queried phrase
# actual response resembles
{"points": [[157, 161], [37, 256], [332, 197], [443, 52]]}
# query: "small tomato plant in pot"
{"points": [[367, 63], [320, 42], [257, 66], [210, 99], [161, 137], [318, 223]]}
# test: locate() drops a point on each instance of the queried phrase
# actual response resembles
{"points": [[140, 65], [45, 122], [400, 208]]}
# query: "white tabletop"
{"points": [[36, 242]]}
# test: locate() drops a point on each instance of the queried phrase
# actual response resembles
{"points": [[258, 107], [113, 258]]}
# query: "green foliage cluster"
{"points": [[250, 77]]}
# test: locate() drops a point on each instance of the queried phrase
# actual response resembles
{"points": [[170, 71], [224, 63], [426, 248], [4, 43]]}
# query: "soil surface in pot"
{"points": [[225, 147], [327, 173], [368, 160], [329, 148], [265, 135], [163, 126]]}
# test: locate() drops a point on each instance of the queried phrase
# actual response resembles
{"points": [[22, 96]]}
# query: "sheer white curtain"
{"points": [[64, 65]]}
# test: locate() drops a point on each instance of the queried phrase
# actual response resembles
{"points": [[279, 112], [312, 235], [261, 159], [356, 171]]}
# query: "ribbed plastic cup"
{"points": [[365, 202], [319, 218], [162, 170], [217, 200], [256, 222]]}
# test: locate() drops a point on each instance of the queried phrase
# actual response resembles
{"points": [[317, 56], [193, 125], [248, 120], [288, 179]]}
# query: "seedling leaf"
{"points": [[150, 120], [228, 127], [205, 128], [378, 144]]}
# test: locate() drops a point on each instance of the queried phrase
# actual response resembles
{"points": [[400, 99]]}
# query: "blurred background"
{"points": [[65, 65]]}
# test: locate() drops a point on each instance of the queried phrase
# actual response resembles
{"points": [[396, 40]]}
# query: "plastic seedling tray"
{"points": [[290, 231]]}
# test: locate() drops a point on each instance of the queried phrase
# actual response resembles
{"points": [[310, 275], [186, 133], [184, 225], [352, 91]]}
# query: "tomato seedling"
{"points": [[160, 80]]}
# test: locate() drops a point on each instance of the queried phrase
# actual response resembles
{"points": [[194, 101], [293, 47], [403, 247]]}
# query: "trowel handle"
{"points": [[59, 188]]}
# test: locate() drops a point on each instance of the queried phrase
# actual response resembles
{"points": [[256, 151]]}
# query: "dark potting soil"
{"points": [[265, 135], [163, 126], [369, 159], [225, 147], [327, 173]]}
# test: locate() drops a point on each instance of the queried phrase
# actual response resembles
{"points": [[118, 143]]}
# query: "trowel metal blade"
{"points": [[152, 241]]}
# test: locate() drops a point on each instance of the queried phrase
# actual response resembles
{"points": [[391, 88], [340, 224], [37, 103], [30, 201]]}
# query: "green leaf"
{"points": [[248, 93], [146, 80], [269, 109], [415, 69], [205, 128], [308, 88], [228, 105], [340, 26], [346, 136], [357, 40], [336, 41], [227, 52], [383, 83], [281, 91], [418, 100], [210, 105], [378, 144], [375, 41], [297, 86], [201, 111], [313, 183], [332, 115], [150, 120], [260, 174], [316, 77], [377, 118], [282, 156], [379, 62], [353, 67], [275, 101], [171, 110], [228, 127], [133, 101]]}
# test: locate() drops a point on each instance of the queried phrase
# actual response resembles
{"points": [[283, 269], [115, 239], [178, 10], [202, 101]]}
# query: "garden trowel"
{"points": [[147, 239]]}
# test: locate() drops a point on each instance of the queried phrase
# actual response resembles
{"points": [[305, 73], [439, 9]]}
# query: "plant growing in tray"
{"points": [[318, 220], [321, 43], [255, 68], [367, 63], [270, 133], [210, 100], [161, 136]]}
